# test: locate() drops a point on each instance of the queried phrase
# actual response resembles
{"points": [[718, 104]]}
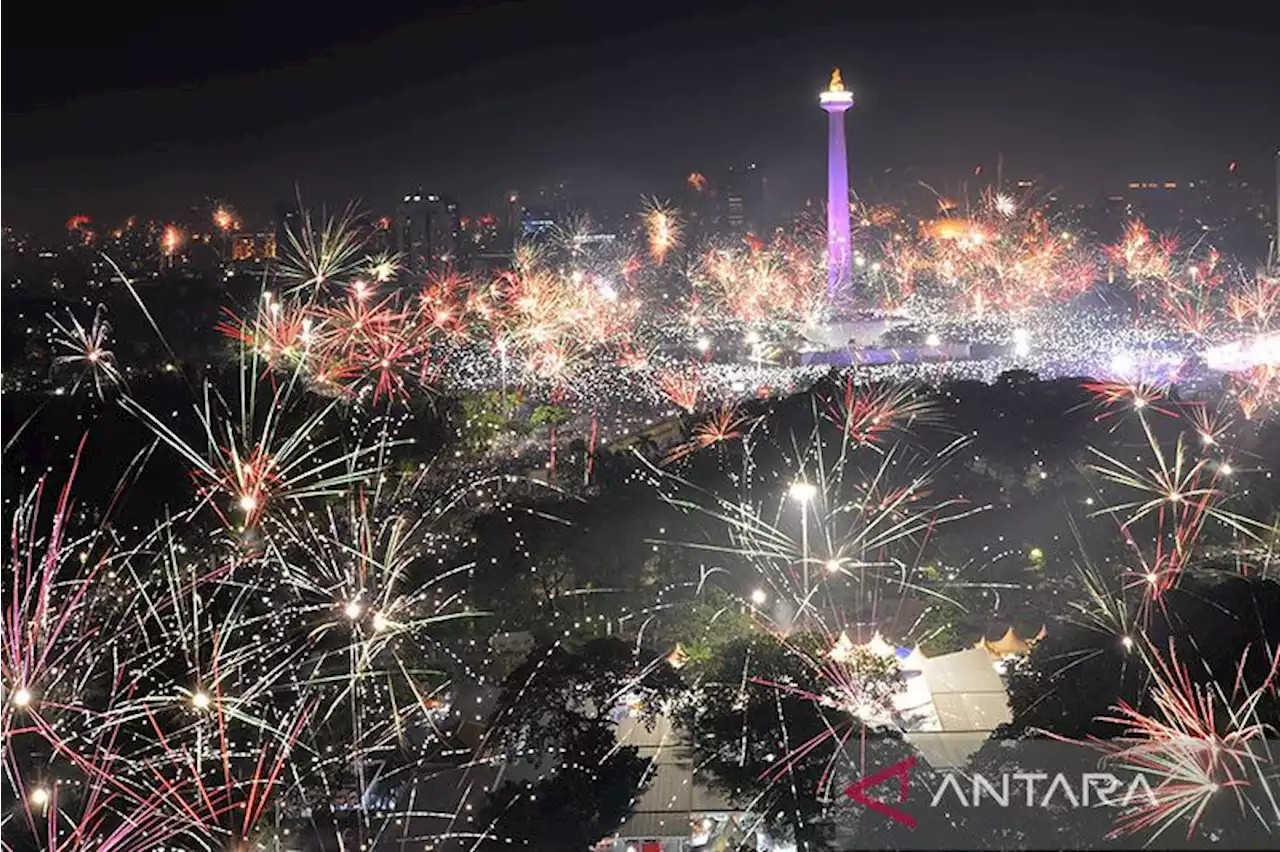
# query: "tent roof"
{"points": [[967, 700], [1009, 644], [963, 671]]}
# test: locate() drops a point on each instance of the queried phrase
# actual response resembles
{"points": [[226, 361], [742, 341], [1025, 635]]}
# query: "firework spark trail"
{"points": [[663, 229], [1195, 751], [724, 424], [86, 349], [853, 522], [256, 453], [320, 252], [272, 659]]}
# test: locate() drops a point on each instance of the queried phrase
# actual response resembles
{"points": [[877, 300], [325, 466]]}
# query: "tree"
{"points": [[775, 727], [484, 418], [558, 693], [550, 415], [585, 797], [556, 711], [705, 624]]}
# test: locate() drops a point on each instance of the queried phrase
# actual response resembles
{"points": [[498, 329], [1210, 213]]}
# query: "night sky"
{"points": [[147, 108]]}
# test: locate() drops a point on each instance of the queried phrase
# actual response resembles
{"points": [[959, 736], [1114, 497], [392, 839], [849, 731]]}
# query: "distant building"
{"points": [[446, 241], [412, 224], [247, 248], [1227, 211], [430, 232], [699, 206], [288, 221], [538, 222], [741, 200], [379, 238]]}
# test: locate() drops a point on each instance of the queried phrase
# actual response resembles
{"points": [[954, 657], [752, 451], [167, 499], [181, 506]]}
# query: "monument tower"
{"points": [[836, 100]]}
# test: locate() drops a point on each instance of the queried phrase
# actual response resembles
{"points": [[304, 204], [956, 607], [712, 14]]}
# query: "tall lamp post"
{"points": [[803, 493]]}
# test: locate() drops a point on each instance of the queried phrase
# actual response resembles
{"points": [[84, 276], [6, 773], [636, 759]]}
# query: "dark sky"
{"points": [[145, 108]]}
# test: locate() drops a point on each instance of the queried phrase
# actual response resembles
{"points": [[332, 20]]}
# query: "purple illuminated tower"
{"points": [[835, 100]]}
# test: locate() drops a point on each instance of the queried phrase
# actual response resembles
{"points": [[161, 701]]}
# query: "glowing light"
{"points": [[1226, 469], [21, 697], [1021, 342], [39, 797], [1126, 642], [833, 566], [703, 344], [663, 229], [247, 503], [933, 340], [836, 93], [353, 610], [225, 220], [200, 700], [1122, 364], [1036, 554], [171, 240], [803, 491], [380, 622], [758, 597]]}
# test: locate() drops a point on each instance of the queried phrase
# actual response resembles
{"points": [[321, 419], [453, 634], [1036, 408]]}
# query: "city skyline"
{"points": [[941, 97]]}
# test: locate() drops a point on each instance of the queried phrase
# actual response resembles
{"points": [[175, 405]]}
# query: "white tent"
{"points": [[952, 706], [881, 648]]}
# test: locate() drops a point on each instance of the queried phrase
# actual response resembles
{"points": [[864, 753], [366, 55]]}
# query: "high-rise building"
{"points": [[379, 237], [250, 247], [430, 232], [444, 236], [741, 200], [699, 206], [837, 100], [288, 221], [538, 222], [412, 229]]}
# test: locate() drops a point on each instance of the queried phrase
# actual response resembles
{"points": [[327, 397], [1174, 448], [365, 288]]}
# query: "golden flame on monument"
{"points": [[837, 85]]}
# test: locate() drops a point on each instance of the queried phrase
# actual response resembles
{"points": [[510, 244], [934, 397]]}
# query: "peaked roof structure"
{"points": [[1010, 645]]}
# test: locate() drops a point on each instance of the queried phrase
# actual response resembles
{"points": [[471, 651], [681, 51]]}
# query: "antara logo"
{"points": [[900, 770]]}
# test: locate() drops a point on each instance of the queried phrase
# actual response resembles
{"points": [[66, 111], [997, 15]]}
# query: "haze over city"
{"points": [[149, 108], [584, 428]]}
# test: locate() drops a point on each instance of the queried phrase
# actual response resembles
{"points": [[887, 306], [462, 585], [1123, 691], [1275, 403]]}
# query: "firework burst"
{"points": [[86, 350]]}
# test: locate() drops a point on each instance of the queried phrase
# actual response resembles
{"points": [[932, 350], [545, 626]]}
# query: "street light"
{"points": [[803, 491]]}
